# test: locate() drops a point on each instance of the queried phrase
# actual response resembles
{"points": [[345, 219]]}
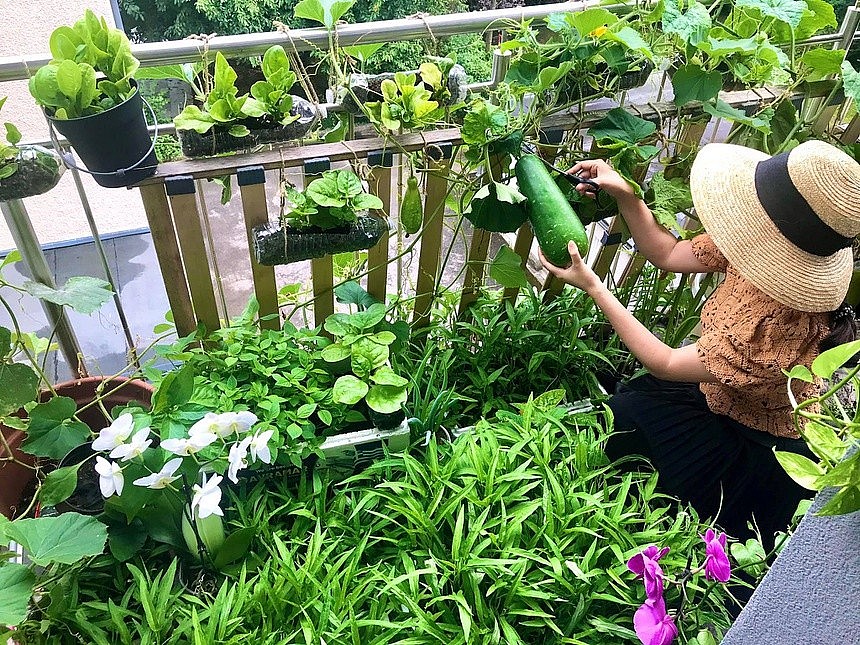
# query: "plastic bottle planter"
{"points": [[275, 244], [365, 88], [346, 454], [573, 91], [39, 170], [114, 145], [219, 141]]}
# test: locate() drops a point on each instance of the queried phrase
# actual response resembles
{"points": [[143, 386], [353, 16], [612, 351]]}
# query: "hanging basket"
{"points": [[274, 244], [39, 170], [114, 145], [572, 91], [367, 88], [220, 141]]}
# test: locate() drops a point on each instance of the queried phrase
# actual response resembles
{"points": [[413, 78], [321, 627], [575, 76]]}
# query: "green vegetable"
{"points": [[411, 208], [553, 219]]}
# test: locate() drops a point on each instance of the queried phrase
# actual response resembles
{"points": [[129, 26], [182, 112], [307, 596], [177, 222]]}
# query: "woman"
{"points": [[709, 414]]}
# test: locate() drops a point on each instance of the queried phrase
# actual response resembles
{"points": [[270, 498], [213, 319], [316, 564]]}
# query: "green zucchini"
{"points": [[411, 208], [553, 219]]}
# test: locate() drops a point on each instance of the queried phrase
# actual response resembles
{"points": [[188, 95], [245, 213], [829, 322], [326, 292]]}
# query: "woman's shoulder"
{"points": [[706, 252]]}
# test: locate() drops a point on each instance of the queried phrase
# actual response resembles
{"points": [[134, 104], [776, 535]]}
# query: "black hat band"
{"points": [[791, 213]]}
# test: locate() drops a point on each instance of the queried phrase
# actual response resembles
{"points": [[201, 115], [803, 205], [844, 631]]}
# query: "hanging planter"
{"points": [[574, 90], [37, 171], [219, 140], [274, 244], [448, 88]]}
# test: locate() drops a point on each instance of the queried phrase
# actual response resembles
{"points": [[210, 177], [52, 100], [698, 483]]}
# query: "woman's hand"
{"points": [[578, 274], [601, 173]]}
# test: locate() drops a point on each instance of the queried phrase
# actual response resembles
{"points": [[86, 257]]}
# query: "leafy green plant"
{"points": [[222, 106], [70, 85], [332, 200], [360, 342], [273, 94], [9, 150], [407, 102], [832, 432]]}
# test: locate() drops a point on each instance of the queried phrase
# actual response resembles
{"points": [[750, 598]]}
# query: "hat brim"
{"points": [[722, 183]]}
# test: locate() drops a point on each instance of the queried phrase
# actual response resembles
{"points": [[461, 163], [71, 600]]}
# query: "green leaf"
{"points": [[822, 62], [386, 399], [59, 485], [620, 125], [366, 202], [667, 198], [801, 373], [823, 441], [64, 539], [362, 53], [587, 21], [851, 82], [692, 83], [845, 501], [126, 540], [801, 469], [826, 363], [632, 40], [483, 122], [325, 12], [819, 16], [349, 390], [507, 270], [722, 110], [18, 386], [13, 134], [749, 553], [16, 588], [52, 432], [5, 345], [84, 294], [387, 376], [352, 293], [335, 353], [691, 26], [788, 11], [497, 207], [235, 546], [845, 473]]}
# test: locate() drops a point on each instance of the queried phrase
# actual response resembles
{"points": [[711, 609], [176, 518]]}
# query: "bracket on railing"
{"points": [[550, 137], [380, 159], [181, 185], [440, 151], [317, 166]]}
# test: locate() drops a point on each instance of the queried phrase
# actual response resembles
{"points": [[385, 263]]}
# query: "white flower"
{"points": [[189, 446], [115, 434], [134, 448], [207, 497], [238, 453], [259, 446], [110, 477], [163, 478], [239, 422], [212, 423]]}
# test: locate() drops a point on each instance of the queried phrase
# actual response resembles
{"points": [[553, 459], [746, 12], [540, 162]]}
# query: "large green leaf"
{"points": [[497, 207], [822, 62], [16, 589], [52, 431], [18, 386], [632, 40], [826, 363], [349, 390], [386, 399], [507, 270], [590, 19], [620, 125], [788, 11], [691, 25], [851, 82], [59, 485], [845, 501], [801, 469], [692, 83], [325, 12], [723, 110], [125, 540], [63, 539], [819, 15], [82, 293]]}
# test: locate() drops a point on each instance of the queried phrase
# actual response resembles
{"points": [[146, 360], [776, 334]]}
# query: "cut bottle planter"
{"points": [[573, 91], [39, 170], [220, 141], [274, 244], [364, 88], [114, 145]]}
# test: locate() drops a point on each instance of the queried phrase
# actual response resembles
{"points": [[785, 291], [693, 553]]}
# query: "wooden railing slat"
{"points": [[431, 242], [377, 256]]}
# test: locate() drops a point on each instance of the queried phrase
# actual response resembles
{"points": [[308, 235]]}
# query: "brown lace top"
{"points": [[748, 338]]}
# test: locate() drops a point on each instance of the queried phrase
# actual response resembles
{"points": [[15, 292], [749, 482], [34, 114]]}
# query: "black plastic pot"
{"points": [[87, 498], [114, 145], [219, 141], [274, 244]]}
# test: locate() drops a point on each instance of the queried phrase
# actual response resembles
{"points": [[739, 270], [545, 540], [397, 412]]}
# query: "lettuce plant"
{"points": [[332, 200]]}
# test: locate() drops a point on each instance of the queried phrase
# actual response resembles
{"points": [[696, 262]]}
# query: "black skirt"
{"points": [[726, 470]]}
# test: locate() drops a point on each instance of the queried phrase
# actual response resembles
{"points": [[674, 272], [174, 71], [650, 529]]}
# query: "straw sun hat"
{"points": [[786, 222]]}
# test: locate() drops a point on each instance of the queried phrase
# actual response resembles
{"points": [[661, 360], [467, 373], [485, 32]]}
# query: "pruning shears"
{"points": [[591, 186]]}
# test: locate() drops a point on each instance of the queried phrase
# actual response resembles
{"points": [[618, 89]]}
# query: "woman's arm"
{"points": [[658, 245], [662, 361]]}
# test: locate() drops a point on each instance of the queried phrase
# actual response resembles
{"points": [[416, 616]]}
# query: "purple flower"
{"points": [[717, 565], [653, 625], [644, 565]]}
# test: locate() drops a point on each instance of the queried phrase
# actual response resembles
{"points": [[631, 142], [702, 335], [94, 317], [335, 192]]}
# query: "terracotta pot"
{"points": [[15, 478]]}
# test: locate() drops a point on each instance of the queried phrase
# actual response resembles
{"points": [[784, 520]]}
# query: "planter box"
{"points": [[811, 594], [275, 244], [218, 141]]}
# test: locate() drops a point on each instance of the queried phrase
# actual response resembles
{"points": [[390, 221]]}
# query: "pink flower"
{"points": [[717, 566], [644, 565], [653, 625]]}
